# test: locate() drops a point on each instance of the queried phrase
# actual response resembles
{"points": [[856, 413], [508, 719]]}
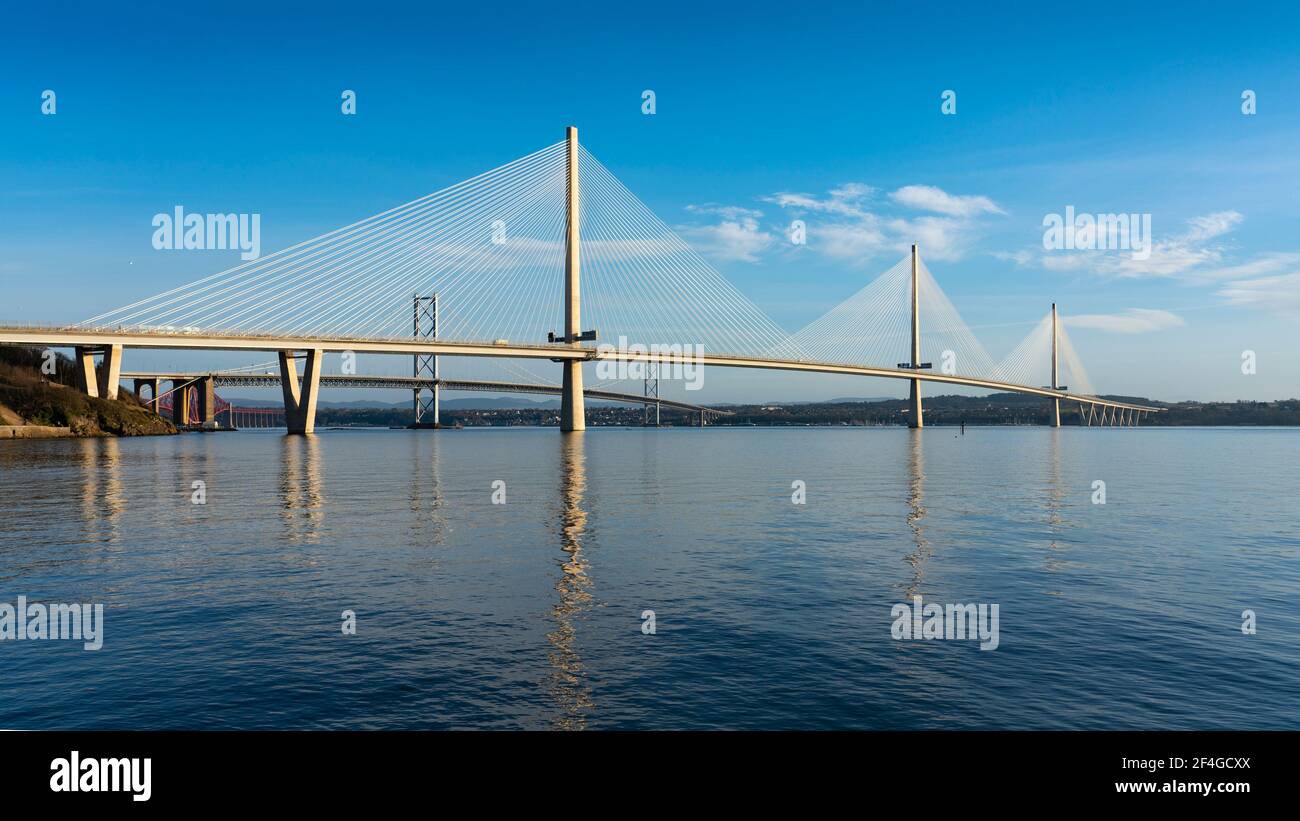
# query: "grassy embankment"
{"points": [[29, 398]]}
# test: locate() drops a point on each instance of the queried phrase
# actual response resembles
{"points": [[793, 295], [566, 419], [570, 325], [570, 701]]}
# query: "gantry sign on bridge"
{"points": [[515, 257]]}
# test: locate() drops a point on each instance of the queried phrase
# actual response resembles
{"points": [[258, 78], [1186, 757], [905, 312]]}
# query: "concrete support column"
{"points": [[181, 402], [207, 401], [914, 417], [83, 361], [110, 376], [300, 398], [573, 412]]}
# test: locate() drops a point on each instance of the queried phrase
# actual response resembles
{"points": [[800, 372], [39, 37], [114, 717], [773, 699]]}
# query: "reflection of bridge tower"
{"points": [[569, 686], [302, 497], [426, 365], [916, 513]]}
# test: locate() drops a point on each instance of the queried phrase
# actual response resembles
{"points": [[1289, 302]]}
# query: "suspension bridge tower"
{"points": [[426, 365]]}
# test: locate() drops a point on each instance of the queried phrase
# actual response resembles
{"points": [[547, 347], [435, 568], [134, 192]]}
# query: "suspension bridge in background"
{"points": [[520, 265]]}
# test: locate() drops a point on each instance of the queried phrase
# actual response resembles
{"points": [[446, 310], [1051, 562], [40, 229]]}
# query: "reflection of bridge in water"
{"points": [[490, 251], [114, 477]]}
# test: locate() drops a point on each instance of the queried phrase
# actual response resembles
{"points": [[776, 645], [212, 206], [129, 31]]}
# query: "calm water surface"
{"points": [[768, 614]]}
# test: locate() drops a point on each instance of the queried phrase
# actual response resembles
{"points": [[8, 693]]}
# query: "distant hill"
{"points": [[844, 400]]}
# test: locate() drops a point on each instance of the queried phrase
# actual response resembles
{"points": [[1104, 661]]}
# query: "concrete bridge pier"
{"points": [[207, 401], [104, 382], [181, 402], [83, 360], [300, 398], [138, 386]]}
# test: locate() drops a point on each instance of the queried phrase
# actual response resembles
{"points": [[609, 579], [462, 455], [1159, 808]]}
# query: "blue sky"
{"points": [[763, 110]]}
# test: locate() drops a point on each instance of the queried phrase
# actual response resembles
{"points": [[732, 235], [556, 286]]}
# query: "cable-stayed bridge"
{"points": [[523, 264]]}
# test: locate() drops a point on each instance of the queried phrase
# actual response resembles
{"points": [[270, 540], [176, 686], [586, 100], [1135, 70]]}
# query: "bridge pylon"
{"points": [[914, 412], [1056, 402], [573, 414]]}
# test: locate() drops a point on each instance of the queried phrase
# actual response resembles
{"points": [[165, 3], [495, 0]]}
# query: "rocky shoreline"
{"points": [[36, 406]]}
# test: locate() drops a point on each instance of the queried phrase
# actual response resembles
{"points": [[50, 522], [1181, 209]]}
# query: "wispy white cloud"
{"points": [[851, 241], [737, 237], [1212, 225], [731, 212], [941, 238], [846, 224], [1191, 253], [1183, 254], [1131, 321], [1197, 255], [929, 198], [849, 200], [1263, 264], [1278, 295]]}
